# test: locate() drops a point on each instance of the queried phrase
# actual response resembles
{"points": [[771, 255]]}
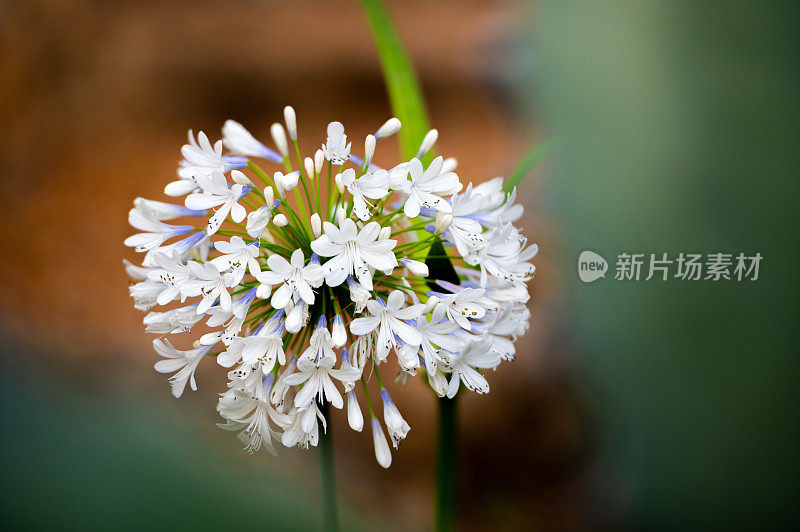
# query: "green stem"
{"points": [[446, 461], [330, 511]]}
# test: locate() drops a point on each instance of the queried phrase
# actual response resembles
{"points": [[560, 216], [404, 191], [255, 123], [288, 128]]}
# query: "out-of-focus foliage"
{"points": [[679, 129], [404, 90]]}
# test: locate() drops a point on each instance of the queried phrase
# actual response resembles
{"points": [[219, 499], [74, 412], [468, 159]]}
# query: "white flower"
{"points": [[184, 363], [251, 413], [382, 452], [217, 193], [462, 305], [351, 377], [321, 344], [209, 283], [352, 251], [294, 277], [173, 274], [318, 378], [424, 189], [464, 230], [233, 319], [166, 211], [173, 321], [265, 346], [304, 428], [389, 318], [358, 295], [336, 148], [476, 354], [373, 185], [154, 231], [395, 424], [194, 242], [201, 159], [237, 139], [506, 256], [256, 288], [296, 316], [237, 257], [437, 335]]}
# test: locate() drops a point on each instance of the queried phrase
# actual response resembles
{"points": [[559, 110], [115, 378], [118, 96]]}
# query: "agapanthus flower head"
{"points": [[315, 276]]}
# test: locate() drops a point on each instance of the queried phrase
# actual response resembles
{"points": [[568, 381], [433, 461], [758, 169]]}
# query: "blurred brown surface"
{"points": [[95, 101]]}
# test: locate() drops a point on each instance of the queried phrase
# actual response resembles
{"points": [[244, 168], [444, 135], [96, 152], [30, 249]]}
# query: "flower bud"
{"points": [[290, 180], [280, 220], [269, 196], [316, 225], [369, 150], [319, 160], [339, 334], [354, 417], [416, 267], [390, 127], [241, 179], [291, 121], [210, 338], [263, 291], [279, 137], [309, 165], [277, 178], [382, 452], [449, 165], [341, 215], [427, 143], [339, 184], [443, 222], [430, 304]]}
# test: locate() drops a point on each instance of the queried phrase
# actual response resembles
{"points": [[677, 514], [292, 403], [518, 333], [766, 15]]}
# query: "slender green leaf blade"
{"points": [[405, 95], [528, 163]]}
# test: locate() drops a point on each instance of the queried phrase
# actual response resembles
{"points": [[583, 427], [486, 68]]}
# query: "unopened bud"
{"points": [[263, 291], [269, 196], [277, 178], [316, 225], [369, 150], [210, 338], [416, 267], [290, 180], [385, 233], [291, 121], [240, 178], [443, 222], [430, 304], [341, 215], [449, 165], [309, 165], [390, 127], [427, 143], [280, 220], [279, 137], [339, 184], [319, 160]]}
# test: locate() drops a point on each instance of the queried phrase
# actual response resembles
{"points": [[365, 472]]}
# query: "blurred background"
{"points": [[630, 405]]}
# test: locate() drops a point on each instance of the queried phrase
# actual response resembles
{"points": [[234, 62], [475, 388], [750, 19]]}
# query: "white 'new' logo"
{"points": [[591, 266]]}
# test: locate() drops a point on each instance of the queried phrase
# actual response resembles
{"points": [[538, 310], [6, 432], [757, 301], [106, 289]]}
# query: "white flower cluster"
{"points": [[304, 299]]}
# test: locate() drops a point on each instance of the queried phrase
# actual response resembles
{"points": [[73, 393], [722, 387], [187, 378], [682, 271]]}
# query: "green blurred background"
{"points": [[681, 133], [632, 405]]}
